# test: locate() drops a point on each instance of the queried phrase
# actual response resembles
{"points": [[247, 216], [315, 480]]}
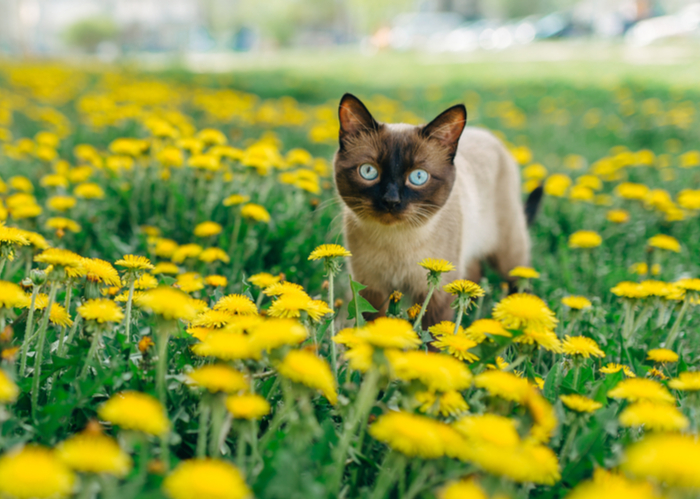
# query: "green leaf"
{"points": [[552, 381], [358, 304]]}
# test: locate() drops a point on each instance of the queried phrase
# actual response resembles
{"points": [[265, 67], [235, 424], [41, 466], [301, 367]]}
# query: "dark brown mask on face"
{"points": [[396, 173]]}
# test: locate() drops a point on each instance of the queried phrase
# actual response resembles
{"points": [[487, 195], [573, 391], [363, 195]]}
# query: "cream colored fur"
{"points": [[482, 218]]}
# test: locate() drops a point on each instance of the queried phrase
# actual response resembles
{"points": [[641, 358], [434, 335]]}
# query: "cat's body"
{"points": [[480, 216]]}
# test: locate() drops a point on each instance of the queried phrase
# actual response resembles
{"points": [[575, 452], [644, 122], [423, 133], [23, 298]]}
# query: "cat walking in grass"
{"points": [[439, 190]]}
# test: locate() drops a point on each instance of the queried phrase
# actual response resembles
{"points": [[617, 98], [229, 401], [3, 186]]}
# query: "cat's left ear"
{"points": [[447, 127]]}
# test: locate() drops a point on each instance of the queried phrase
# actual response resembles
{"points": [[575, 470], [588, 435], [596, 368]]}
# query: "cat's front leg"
{"points": [[379, 300], [438, 308]]}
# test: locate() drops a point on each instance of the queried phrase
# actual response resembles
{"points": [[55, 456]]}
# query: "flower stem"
{"points": [[28, 331], [62, 332], [39, 353], [204, 412], [94, 345], [460, 313], [2, 265], [218, 413], [569, 439], [71, 334], [431, 290], [127, 317], [677, 325], [162, 365], [363, 405], [393, 466], [331, 304]]}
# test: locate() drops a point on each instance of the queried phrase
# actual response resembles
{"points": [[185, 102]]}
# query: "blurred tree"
{"points": [[88, 33]]}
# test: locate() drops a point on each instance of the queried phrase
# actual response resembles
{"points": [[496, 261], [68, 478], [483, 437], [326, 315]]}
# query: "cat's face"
{"points": [[395, 173]]}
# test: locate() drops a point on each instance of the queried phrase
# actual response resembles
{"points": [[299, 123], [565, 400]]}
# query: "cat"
{"points": [[440, 190]]}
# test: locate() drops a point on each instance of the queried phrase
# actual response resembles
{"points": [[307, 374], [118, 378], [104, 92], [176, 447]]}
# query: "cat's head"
{"points": [[396, 173]]}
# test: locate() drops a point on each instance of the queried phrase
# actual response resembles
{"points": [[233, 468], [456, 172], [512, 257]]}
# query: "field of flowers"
{"points": [[176, 318]]}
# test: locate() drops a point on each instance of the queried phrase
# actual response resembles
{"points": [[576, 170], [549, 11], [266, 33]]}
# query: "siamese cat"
{"points": [[438, 190]]}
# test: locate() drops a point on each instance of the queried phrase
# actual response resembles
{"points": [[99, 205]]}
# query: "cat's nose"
{"points": [[391, 197]]}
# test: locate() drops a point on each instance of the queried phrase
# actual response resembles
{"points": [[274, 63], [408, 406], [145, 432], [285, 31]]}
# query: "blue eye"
{"points": [[368, 172], [418, 177]]}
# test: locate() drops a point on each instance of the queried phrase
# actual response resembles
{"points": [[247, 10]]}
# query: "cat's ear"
{"points": [[447, 127], [354, 117]]}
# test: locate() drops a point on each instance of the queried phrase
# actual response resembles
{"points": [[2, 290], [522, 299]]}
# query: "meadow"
{"points": [[176, 318]]}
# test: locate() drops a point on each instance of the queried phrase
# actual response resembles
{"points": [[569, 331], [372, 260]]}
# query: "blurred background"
{"points": [[210, 34]]}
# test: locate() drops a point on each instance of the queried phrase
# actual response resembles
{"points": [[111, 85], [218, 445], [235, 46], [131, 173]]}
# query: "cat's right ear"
{"points": [[354, 117]]}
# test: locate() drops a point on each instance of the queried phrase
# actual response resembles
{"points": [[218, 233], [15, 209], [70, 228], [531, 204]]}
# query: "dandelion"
{"points": [[135, 411], [686, 381], [437, 372], [308, 369], [630, 290], [145, 282], [654, 416], [205, 478], [463, 488], [166, 268], [557, 184], [580, 403], [275, 333], [615, 367], [101, 311], [582, 346], [247, 406], [100, 271], [255, 212], [8, 389], [387, 333], [282, 288], [412, 435], [218, 378], [618, 216], [664, 242], [34, 472], [632, 191], [207, 229], [329, 251], [169, 303], [227, 346], [480, 328], [667, 458], [524, 311], [504, 385], [95, 453], [263, 280], [189, 282], [585, 239], [213, 254], [523, 272], [437, 266], [576, 302], [236, 199], [606, 484], [11, 295], [662, 356], [135, 263], [641, 389], [216, 280], [69, 261], [457, 345]]}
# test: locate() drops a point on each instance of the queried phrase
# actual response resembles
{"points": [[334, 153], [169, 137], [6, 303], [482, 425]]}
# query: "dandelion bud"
{"points": [[324, 286], [7, 334], [37, 276], [145, 343], [156, 467], [93, 427], [338, 303]]}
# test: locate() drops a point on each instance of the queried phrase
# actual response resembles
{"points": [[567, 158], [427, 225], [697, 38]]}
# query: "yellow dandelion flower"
{"points": [[63, 224], [207, 229], [437, 372], [255, 212], [213, 254], [317, 309], [281, 288], [630, 290], [205, 478], [329, 251], [576, 302], [689, 284], [34, 472], [247, 406], [662, 356], [437, 265], [89, 191], [58, 314], [607, 484], [641, 389], [166, 268], [452, 403], [585, 239], [524, 272], [480, 328], [8, 389], [184, 252], [216, 280], [35, 239], [582, 346], [145, 282], [522, 311], [654, 416], [12, 236], [579, 403], [166, 248], [61, 203], [444, 328], [236, 304], [458, 346], [664, 242], [412, 435], [504, 385], [57, 257], [359, 356], [557, 184], [389, 333], [667, 458], [413, 311], [94, 452], [189, 282], [135, 263], [463, 488], [308, 369], [656, 373], [212, 319], [135, 411], [168, 303], [236, 199], [686, 381], [615, 367], [618, 216], [263, 280], [218, 378], [227, 346], [101, 311], [632, 191], [275, 333], [11, 295], [491, 428], [465, 288], [100, 271]]}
